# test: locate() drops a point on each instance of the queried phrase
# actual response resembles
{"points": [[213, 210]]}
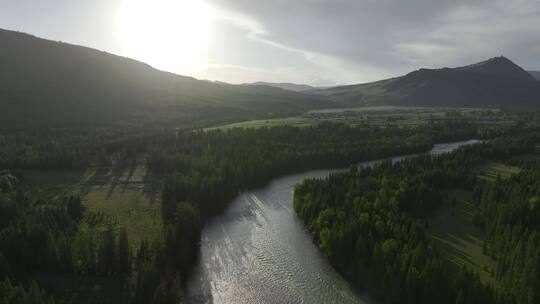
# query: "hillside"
{"points": [[535, 74], [496, 82], [284, 85], [48, 83]]}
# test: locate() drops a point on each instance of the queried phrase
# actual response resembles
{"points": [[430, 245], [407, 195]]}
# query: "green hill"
{"points": [[45, 82], [496, 82]]}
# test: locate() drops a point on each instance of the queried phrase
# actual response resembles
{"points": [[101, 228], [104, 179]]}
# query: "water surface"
{"points": [[258, 251]]}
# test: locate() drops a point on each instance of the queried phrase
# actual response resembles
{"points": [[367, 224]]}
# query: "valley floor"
{"points": [[380, 116]]}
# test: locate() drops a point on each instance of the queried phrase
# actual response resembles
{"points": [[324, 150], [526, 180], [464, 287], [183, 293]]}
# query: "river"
{"points": [[258, 251]]}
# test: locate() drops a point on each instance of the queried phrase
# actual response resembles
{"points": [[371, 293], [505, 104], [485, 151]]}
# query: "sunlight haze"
{"points": [[313, 42], [170, 35]]}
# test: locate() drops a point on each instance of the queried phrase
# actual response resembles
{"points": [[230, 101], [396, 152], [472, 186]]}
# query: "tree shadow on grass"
{"points": [[151, 187], [99, 177], [123, 177], [116, 178], [454, 254]]}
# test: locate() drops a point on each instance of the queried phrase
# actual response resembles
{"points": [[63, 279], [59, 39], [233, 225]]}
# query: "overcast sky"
{"points": [[318, 42]]}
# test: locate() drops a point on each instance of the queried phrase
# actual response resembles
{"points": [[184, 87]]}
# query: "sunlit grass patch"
{"points": [[126, 206], [458, 239], [489, 171], [377, 116], [127, 197]]}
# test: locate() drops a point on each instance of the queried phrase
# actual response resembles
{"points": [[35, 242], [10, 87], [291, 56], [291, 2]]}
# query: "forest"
{"points": [[508, 212], [371, 222], [46, 237], [221, 151]]}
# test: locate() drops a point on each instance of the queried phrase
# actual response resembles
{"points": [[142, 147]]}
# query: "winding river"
{"points": [[258, 251]]}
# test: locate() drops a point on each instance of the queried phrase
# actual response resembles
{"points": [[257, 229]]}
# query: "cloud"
{"points": [[321, 42], [355, 41], [239, 46]]}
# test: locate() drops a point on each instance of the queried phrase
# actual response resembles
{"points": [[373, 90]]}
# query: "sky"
{"points": [[316, 42]]}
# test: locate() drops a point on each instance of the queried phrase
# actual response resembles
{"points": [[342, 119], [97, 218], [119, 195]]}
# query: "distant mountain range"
{"points": [[535, 74], [48, 82], [497, 82], [285, 86]]}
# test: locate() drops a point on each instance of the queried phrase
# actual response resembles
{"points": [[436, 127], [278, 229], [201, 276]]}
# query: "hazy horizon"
{"points": [[249, 41]]}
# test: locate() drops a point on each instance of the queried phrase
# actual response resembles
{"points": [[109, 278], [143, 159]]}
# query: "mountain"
{"points": [[496, 82], [45, 82], [284, 85], [498, 67], [535, 74]]}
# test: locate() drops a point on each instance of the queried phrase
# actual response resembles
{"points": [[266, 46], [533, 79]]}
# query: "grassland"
{"points": [[382, 116], [453, 231], [489, 171], [457, 238], [127, 197]]}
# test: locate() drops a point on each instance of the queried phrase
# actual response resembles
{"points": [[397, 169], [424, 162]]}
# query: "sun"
{"points": [[171, 35]]}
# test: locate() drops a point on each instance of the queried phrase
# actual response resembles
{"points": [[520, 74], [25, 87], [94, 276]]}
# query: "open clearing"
{"points": [[490, 170], [458, 239], [453, 231], [127, 197], [381, 116]]}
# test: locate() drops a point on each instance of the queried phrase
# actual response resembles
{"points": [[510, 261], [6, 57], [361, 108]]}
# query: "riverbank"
{"points": [[258, 251]]}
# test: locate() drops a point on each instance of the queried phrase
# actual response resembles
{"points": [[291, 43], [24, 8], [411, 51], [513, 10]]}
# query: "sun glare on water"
{"points": [[170, 35]]}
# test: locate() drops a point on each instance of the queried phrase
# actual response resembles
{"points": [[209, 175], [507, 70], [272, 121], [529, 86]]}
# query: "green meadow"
{"points": [[127, 197], [458, 239], [489, 171], [379, 116], [452, 229]]}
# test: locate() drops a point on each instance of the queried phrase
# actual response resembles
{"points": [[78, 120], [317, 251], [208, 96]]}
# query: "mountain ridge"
{"points": [[498, 66], [496, 82], [47, 82], [51, 83], [535, 74], [284, 85]]}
